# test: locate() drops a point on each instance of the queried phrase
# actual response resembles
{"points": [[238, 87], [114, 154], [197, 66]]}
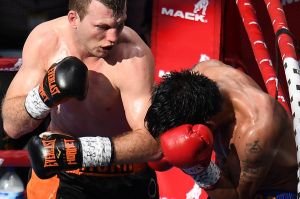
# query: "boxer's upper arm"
{"points": [[32, 69], [256, 151], [135, 88], [135, 80]]}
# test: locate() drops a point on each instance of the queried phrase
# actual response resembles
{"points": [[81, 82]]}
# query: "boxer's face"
{"points": [[99, 30]]}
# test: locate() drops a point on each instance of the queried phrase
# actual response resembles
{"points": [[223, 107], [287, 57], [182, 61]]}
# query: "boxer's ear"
{"points": [[73, 18]]}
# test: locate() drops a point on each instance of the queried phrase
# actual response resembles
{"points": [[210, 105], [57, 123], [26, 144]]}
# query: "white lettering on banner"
{"points": [[184, 15], [201, 5], [285, 2], [162, 73], [194, 193]]}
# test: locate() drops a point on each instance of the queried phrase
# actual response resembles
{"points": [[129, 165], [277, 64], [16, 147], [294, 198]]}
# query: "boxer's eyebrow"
{"points": [[106, 26], [103, 26]]}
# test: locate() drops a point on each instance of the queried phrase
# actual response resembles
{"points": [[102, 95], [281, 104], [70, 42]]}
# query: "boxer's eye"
{"points": [[103, 27]]}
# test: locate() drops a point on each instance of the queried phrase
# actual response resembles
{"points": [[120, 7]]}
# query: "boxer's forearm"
{"points": [[135, 146], [16, 121]]}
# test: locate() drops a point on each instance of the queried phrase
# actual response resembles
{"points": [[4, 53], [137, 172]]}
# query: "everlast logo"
{"points": [[43, 94], [51, 81], [71, 151], [50, 160]]}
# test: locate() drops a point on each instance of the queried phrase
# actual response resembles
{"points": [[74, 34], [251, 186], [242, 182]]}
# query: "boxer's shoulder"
{"points": [[41, 39], [42, 43], [42, 31], [128, 35], [133, 57], [131, 44]]}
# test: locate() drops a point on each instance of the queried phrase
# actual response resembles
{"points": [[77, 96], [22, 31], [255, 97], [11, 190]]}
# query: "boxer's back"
{"points": [[254, 109]]}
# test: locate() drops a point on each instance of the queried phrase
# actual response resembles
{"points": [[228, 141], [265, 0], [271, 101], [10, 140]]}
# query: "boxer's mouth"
{"points": [[108, 48]]}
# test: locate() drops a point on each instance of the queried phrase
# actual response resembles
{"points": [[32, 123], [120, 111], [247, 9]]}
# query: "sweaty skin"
{"points": [[256, 136], [121, 71]]}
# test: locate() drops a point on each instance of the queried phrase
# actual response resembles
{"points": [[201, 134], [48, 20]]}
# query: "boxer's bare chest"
{"points": [[101, 113]]}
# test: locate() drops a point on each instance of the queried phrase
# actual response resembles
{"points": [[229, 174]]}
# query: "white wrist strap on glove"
{"points": [[35, 106], [96, 151], [205, 178]]}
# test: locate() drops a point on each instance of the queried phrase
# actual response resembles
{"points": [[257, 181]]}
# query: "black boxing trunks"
{"points": [[134, 181]]}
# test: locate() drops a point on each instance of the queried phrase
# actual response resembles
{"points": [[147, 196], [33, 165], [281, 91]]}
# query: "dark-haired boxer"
{"points": [[216, 107], [102, 105]]}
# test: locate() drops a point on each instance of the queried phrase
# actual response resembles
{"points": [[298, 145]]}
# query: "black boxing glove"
{"points": [[63, 80], [50, 153]]}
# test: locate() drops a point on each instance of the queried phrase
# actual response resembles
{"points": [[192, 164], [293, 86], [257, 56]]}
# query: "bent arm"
{"points": [[253, 157], [16, 121], [135, 86]]}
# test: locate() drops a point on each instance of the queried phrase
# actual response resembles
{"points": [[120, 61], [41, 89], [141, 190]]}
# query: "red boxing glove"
{"points": [[160, 165], [190, 148], [187, 145]]}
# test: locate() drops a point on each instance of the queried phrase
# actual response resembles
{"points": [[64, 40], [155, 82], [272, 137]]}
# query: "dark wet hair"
{"points": [[182, 98], [80, 6]]}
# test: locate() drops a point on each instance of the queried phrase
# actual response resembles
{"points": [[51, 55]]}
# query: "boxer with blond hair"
{"points": [[94, 76]]}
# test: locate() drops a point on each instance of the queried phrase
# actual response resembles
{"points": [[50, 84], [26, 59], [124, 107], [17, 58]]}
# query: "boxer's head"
{"points": [[182, 98], [97, 24]]}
